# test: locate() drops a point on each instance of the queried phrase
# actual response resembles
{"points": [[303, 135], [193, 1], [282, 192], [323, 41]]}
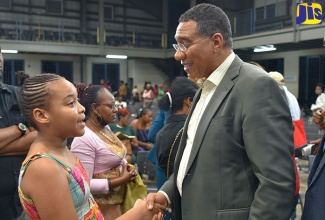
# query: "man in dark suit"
{"points": [[234, 159], [15, 140], [314, 198]]}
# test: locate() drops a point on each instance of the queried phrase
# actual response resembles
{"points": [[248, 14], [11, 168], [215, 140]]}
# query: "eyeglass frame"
{"points": [[111, 106], [184, 47]]}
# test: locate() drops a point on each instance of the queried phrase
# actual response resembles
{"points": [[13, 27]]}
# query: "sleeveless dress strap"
{"points": [[40, 155]]}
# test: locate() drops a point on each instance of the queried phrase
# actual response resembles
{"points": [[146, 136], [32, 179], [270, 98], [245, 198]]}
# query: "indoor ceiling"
{"points": [[177, 7], [285, 47]]}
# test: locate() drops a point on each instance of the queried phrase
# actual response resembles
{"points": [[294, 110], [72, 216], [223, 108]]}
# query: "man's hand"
{"points": [[157, 213], [315, 149], [318, 117], [156, 198]]}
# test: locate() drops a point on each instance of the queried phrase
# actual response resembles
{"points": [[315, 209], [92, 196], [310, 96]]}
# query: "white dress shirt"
{"points": [[209, 87], [293, 104]]}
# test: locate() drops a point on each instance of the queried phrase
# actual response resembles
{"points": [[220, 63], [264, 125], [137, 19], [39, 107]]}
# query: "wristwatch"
{"points": [[22, 129]]}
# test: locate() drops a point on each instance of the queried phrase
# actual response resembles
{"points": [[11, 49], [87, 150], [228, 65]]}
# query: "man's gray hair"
{"points": [[210, 19]]}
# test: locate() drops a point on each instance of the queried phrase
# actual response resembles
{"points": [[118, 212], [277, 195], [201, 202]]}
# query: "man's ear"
{"points": [[217, 40], [41, 116]]}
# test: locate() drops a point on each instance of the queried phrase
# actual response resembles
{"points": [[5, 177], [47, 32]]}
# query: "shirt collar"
{"points": [[217, 75], [4, 87]]}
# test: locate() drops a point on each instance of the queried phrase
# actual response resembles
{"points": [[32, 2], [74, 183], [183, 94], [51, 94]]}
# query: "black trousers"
{"points": [[10, 207]]}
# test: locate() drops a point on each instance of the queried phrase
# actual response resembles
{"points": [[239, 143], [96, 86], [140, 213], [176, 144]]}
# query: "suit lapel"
{"points": [[320, 166], [218, 96]]}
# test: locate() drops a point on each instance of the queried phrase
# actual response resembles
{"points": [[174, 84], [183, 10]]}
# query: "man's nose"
{"points": [[179, 55]]}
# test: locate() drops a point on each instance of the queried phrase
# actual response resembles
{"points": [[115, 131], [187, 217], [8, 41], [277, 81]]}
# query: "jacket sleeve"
{"points": [[268, 140]]}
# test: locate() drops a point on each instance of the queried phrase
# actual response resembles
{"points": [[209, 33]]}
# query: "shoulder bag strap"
{"points": [[171, 150]]}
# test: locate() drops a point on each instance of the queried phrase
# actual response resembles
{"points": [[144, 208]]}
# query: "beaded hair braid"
{"points": [[88, 95], [34, 93]]}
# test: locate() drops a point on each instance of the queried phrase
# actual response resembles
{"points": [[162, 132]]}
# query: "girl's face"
{"points": [[66, 114], [318, 90], [106, 107]]}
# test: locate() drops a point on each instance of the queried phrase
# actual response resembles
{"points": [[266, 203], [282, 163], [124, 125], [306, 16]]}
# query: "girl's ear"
{"points": [[41, 116]]}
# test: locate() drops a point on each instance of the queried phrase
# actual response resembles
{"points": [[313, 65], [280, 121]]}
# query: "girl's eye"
{"points": [[71, 104]]}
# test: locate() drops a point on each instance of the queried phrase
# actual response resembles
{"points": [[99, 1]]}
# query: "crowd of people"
{"points": [[222, 142], [147, 96]]}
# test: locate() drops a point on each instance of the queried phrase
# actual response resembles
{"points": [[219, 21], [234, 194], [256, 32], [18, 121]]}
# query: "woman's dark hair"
{"points": [[88, 95], [34, 93], [180, 89], [142, 112]]}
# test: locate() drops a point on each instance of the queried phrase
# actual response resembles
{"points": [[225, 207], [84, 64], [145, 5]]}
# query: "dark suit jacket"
{"points": [[315, 195], [240, 166]]}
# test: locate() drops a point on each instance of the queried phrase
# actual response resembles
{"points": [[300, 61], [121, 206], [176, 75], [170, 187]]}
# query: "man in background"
{"points": [[15, 140], [292, 100], [314, 198], [122, 91]]}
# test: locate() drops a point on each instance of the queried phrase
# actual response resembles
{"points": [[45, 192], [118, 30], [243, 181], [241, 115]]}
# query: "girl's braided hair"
{"points": [[34, 93]]}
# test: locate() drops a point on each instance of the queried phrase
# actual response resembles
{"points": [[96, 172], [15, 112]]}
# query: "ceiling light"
{"points": [[264, 48], [116, 56], [9, 51]]}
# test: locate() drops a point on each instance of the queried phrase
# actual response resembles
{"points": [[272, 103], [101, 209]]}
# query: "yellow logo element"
{"points": [[309, 13]]}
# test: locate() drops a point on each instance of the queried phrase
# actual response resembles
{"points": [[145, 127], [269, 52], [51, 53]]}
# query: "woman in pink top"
{"points": [[147, 96], [101, 152]]}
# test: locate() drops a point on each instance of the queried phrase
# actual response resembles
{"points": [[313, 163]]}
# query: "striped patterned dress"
{"points": [[84, 203]]}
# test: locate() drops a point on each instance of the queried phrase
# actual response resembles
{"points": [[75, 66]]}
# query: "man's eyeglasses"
{"points": [[112, 106], [184, 47]]}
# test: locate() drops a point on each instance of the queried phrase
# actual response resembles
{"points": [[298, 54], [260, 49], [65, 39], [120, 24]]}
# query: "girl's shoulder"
{"points": [[44, 168]]}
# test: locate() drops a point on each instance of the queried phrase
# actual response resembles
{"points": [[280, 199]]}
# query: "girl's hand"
{"points": [[157, 213]]}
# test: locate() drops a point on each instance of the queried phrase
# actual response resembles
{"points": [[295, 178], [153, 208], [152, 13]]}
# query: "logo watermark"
{"points": [[309, 13]]}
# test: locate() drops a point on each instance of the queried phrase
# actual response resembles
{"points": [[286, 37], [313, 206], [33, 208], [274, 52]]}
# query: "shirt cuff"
{"points": [[99, 186], [168, 200]]}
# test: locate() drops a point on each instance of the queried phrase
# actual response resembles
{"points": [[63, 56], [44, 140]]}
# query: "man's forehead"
{"points": [[185, 30]]}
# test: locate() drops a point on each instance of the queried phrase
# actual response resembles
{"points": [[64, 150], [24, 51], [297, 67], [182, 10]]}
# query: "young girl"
{"points": [[53, 184]]}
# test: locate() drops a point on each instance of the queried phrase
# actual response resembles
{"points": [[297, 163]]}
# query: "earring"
{"points": [[99, 118]]}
